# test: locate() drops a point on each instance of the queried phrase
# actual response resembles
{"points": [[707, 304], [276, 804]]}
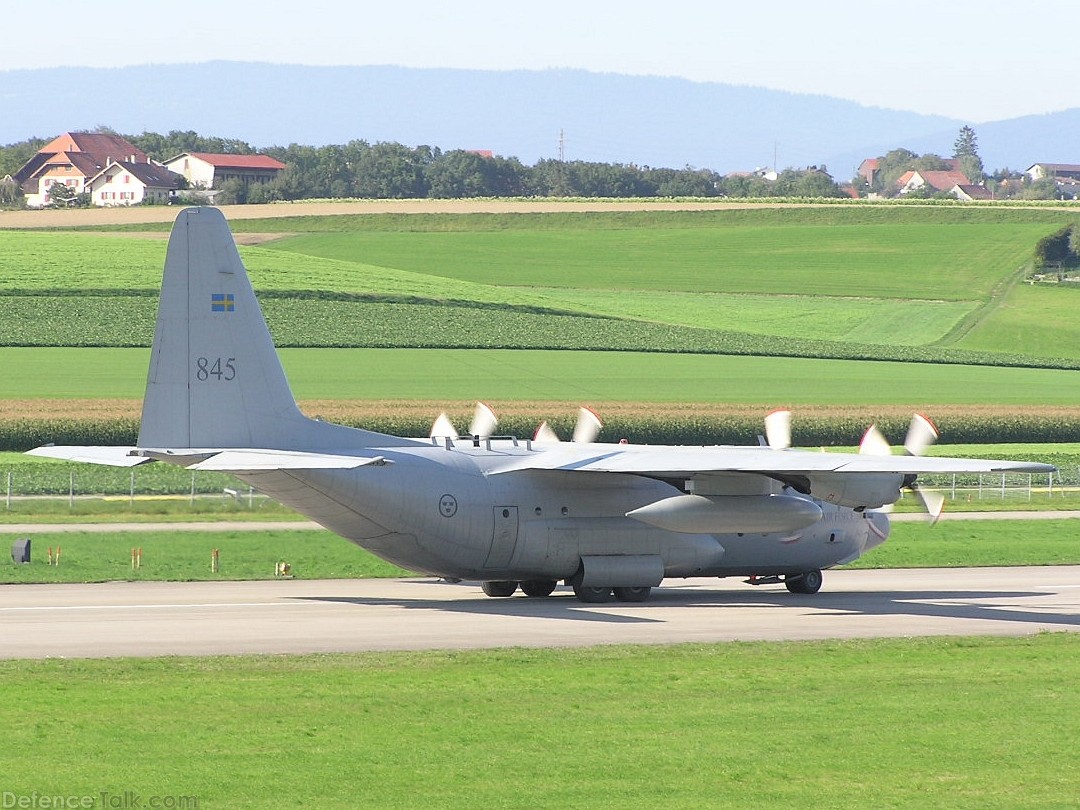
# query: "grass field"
{"points": [[584, 377], [810, 281], [899, 723], [874, 261], [99, 557]]}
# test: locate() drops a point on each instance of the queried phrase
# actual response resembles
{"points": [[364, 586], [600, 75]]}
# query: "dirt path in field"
{"points": [[82, 217], [139, 215]]}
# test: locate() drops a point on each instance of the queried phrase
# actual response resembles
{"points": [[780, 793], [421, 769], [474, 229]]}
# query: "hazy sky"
{"points": [[979, 60]]}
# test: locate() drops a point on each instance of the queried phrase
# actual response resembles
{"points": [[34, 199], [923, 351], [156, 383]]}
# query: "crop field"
{"points": [[719, 281], [738, 307]]}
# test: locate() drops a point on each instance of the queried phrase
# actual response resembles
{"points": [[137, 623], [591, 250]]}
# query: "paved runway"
{"points": [[296, 616]]}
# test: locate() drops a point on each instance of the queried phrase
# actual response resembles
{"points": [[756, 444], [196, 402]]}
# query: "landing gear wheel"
{"points": [[499, 587], [538, 587], [592, 594], [632, 594], [806, 582]]}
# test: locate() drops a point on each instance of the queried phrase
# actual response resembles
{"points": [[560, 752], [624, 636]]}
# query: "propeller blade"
{"points": [[443, 427], [544, 433], [778, 429], [588, 426], [484, 421], [921, 434], [933, 502], [874, 443]]}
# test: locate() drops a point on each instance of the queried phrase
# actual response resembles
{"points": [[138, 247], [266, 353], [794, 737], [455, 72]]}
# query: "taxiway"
{"points": [[298, 616]]}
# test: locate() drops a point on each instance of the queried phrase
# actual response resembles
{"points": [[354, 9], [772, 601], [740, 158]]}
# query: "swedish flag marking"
{"points": [[222, 302]]}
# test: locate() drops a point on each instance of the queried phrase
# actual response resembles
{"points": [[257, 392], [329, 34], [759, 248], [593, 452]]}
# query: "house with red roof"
{"points": [[207, 170], [868, 170], [971, 192], [936, 180], [127, 183], [71, 160]]}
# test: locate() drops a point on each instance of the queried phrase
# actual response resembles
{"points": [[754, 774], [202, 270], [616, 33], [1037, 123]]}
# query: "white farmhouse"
{"points": [[209, 171], [127, 183]]}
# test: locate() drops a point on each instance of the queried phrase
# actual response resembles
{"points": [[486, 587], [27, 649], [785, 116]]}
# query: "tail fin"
{"points": [[215, 379]]}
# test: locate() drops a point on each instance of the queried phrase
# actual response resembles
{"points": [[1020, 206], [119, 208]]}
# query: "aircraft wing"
{"points": [[236, 460], [688, 462]]}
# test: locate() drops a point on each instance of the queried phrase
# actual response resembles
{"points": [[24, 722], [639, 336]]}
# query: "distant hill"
{"points": [[604, 117]]}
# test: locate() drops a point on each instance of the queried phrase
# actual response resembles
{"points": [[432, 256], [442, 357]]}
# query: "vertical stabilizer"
{"points": [[215, 379]]}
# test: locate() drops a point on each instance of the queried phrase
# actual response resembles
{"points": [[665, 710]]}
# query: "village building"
{"points": [[126, 183], [936, 180], [72, 160], [969, 192], [1058, 171], [208, 171]]}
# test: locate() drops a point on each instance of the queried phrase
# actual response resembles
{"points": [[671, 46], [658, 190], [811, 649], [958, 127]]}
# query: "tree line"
{"points": [[388, 170]]}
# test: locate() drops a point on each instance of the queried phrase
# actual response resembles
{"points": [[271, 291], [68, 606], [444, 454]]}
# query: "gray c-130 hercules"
{"points": [[608, 519]]}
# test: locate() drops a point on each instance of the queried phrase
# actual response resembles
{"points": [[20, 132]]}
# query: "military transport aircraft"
{"points": [[611, 520]]}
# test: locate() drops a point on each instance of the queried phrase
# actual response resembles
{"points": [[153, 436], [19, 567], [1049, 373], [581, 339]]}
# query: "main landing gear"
{"points": [[545, 587], [803, 582], [529, 587], [806, 582]]}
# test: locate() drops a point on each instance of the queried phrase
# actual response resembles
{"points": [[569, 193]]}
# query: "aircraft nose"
{"points": [[878, 526]]}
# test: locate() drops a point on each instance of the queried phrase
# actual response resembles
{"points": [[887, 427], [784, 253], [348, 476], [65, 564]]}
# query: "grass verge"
{"points": [[185, 555], [919, 723]]}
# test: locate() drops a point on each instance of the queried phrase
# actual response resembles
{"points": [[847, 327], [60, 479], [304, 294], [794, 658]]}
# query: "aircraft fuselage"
{"points": [[437, 508]]}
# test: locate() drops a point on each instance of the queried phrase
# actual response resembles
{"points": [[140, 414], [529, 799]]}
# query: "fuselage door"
{"points": [[505, 538]]}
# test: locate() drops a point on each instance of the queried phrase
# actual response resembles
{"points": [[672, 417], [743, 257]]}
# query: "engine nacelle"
{"points": [[696, 514], [854, 490]]}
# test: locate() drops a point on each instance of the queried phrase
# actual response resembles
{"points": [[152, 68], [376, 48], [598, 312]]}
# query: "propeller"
{"points": [[778, 429], [588, 426], [443, 427], [586, 430], [483, 424], [921, 434], [544, 433]]}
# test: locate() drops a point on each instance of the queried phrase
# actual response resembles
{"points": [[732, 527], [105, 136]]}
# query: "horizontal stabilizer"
{"points": [[112, 456]]}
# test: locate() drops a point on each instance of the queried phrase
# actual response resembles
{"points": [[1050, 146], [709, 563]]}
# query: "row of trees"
{"points": [[394, 171]]}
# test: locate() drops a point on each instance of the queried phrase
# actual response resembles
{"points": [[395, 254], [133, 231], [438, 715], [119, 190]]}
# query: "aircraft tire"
{"points": [[499, 587], [632, 594], [538, 587], [806, 582], [592, 595]]}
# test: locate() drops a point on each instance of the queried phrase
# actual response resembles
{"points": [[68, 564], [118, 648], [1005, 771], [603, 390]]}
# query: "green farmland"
{"points": [[440, 375], [853, 278], [825, 306]]}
